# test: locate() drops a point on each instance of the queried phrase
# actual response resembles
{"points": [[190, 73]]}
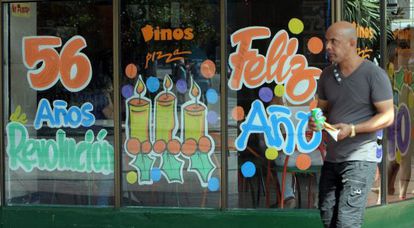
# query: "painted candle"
{"points": [[139, 113], [165, 112], [194, 116]]}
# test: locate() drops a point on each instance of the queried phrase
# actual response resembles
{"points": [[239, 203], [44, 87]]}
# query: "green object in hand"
{"points": [[318, 117]]}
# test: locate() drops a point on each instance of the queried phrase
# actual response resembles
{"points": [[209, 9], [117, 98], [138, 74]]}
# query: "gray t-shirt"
{"points": [[352, 101]]}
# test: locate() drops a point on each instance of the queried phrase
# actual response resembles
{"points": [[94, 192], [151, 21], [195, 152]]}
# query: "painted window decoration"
{"points": [[295, 81], [58, 106], [94, 153], [153, 135]]}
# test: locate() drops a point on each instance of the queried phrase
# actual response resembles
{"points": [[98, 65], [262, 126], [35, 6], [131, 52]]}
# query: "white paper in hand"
{"points": [[333, 133]]}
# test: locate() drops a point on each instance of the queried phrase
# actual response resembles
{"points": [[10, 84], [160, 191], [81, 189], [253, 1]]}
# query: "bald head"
{"points": [[340, 38], [344, 29]]}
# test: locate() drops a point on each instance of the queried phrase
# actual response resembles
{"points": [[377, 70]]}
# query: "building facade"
{"points": [[142, 113]]}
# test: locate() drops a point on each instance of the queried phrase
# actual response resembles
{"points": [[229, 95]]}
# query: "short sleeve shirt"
{"points": [[351, 101]]}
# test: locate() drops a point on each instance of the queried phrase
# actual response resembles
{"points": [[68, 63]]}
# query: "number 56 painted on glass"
{"points": [[71, 66]]}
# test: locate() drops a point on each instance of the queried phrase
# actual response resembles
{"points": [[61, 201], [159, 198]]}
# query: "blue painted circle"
{"points": [[153, 84], [156, 174], [212, 117], [127, 91], [266, 94], [213, 184], [181, 86], [248, 169], [395, 97], [212, 96]]}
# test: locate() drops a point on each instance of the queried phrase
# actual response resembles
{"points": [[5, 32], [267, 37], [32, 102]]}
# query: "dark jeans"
{"points": [[343, 191]]}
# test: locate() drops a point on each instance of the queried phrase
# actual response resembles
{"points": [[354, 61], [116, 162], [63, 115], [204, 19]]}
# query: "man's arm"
{"points": [[383, 119]]}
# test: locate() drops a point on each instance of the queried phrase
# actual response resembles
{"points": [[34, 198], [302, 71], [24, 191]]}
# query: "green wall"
{"points": [[394, 215]]}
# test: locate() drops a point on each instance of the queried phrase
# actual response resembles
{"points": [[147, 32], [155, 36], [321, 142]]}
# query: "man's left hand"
{"points": [[344, 130]]}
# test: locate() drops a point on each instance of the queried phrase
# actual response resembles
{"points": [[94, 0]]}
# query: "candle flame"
{"points": [[167, 82], [140, 87], [195, 91]]}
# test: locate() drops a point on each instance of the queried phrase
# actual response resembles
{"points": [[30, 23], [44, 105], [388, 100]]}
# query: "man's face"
{"points": [[337, 46]]}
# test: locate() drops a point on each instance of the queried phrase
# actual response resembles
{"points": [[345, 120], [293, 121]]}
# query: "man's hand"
{"points": [[344, 130], [322, 104], [312, 125]]}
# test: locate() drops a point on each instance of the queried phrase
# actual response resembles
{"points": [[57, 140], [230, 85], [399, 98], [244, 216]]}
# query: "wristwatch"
{"points": [[353, 133]]}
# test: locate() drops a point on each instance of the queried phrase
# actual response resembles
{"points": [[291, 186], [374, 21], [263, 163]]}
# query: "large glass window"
{"points": [[271, 46], [400, 67], [170, 86], [58, 103]]}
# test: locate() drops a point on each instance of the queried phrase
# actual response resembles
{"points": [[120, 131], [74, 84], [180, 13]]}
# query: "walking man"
{"points": [[356, 97]]}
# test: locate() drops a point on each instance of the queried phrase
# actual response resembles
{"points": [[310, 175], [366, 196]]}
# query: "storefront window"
{"points": [[58, 115], [275, 58], [171, 103], [400, 54]]}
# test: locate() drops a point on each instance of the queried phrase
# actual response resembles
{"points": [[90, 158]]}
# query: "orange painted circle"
{"points": [[159, 146], [208, 69], [313, 104], [189, 147], [174, 146], [146, 147], [412, 133], [133, 146], [238, 113], [204, 144], [131, 70], [315, 45], [407, 77], [303, 162]]}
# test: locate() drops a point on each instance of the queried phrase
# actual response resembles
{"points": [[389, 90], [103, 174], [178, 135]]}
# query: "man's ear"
{"points": [[354, 42]]}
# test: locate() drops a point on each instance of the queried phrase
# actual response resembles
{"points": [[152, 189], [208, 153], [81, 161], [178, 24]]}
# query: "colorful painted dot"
{"points": [[208, 69], [131, 177], [295, 26], [412, 133], [238, 113], [156, 174], [248, 169], [265, 94], [279, 90], [153, 84], [131, 70], [303, 162], [315, 45], [127, 91], [181, 86], [271, 153], [398, 157], [395, 98], [213, 184], [411, 100], [212, 96], [313, 104], [212, 117], [379, 152]]}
